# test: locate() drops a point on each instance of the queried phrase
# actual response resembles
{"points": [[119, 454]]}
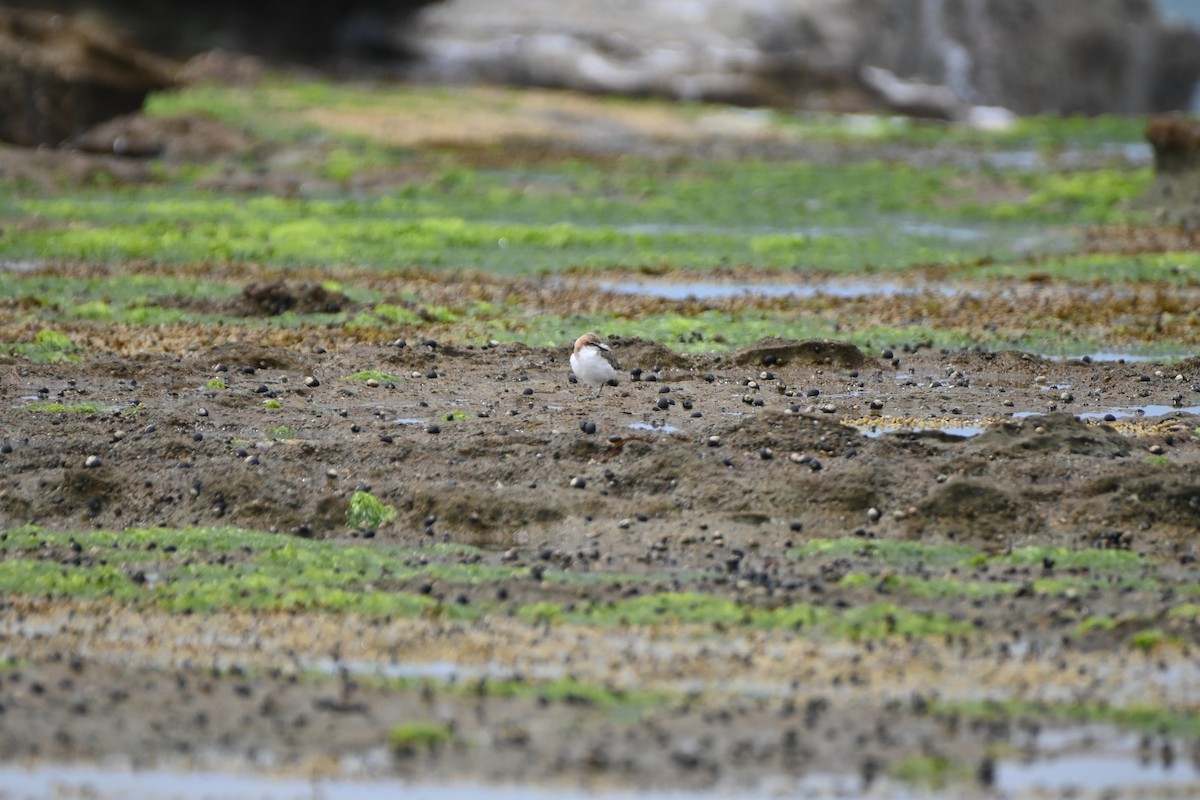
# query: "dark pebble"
{"points": [[650, 378], [888, 354], [262, 388], [709, 377], [770, 359], [664, 390], [796, 525], [527, 391], [758, 401], [588, 427], [433, 429], [431, 373], [6, 448], [197, 437], [311, 381], [813, 393], [815, 466], [663, 403], [687, 404], [386, 438], [248, 370], [1110, 418], [696, 415], [354, 428]]}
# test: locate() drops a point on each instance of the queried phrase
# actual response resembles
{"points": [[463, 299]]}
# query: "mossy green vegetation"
{"points": [[52, 407], [368, 511], [1152, 719], [931, 771], [48, 347], [374, 375], [409, 737]]}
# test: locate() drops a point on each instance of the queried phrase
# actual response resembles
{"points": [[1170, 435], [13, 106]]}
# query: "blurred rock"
{"points": [[182, 138], [59, 77], [305, 31], [1174, 196], [938, 58]]}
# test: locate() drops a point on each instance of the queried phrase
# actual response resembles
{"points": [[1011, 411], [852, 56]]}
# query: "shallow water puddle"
{"points": [[896, 428], [95, 783], [1122, 769], [1121, 412], [713, 290], [649, 426], [408, 421]]}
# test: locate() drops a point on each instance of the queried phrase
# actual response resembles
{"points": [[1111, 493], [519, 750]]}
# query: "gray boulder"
{"points": [[930, 57]]}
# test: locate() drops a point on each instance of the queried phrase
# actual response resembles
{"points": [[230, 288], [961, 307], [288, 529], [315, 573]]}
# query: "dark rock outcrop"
{"points": [[1174, 196], [60, 77]]}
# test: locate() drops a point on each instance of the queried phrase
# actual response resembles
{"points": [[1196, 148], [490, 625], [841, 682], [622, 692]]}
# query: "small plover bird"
{"points": [[592, 362]]}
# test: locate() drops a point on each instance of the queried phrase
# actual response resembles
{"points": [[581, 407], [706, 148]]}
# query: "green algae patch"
{"points": [[886, 551], [1107, 561], [931, 771], [48, 347], [1154, 720], [368, 511], [408, 738], [695, 609], [51, 407], [373, 375]]}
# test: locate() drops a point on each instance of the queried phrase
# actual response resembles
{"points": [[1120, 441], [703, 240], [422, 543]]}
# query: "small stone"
{"points": [[578, 482], [1156, 449], [262, 388], [649, 377], [386, 438], [355, 428], [91, 461], [251, 459], [527, 391], [873, 514], [203, 412], [714, 441], [813, 393], [1179, 379], [197, 437], [433, 429], [1066, 397], [770, 359], [311, 381], [828, 408], [1110, 417], [876, 405], [625, 524], [5, 448], [221, 368], [815, 466], [942, 477], [663, 404], [431, 373], [888, 354], [331, 474], [709, 377], [1007, 403], [766, 454], [798, 458], [373, 383]]}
